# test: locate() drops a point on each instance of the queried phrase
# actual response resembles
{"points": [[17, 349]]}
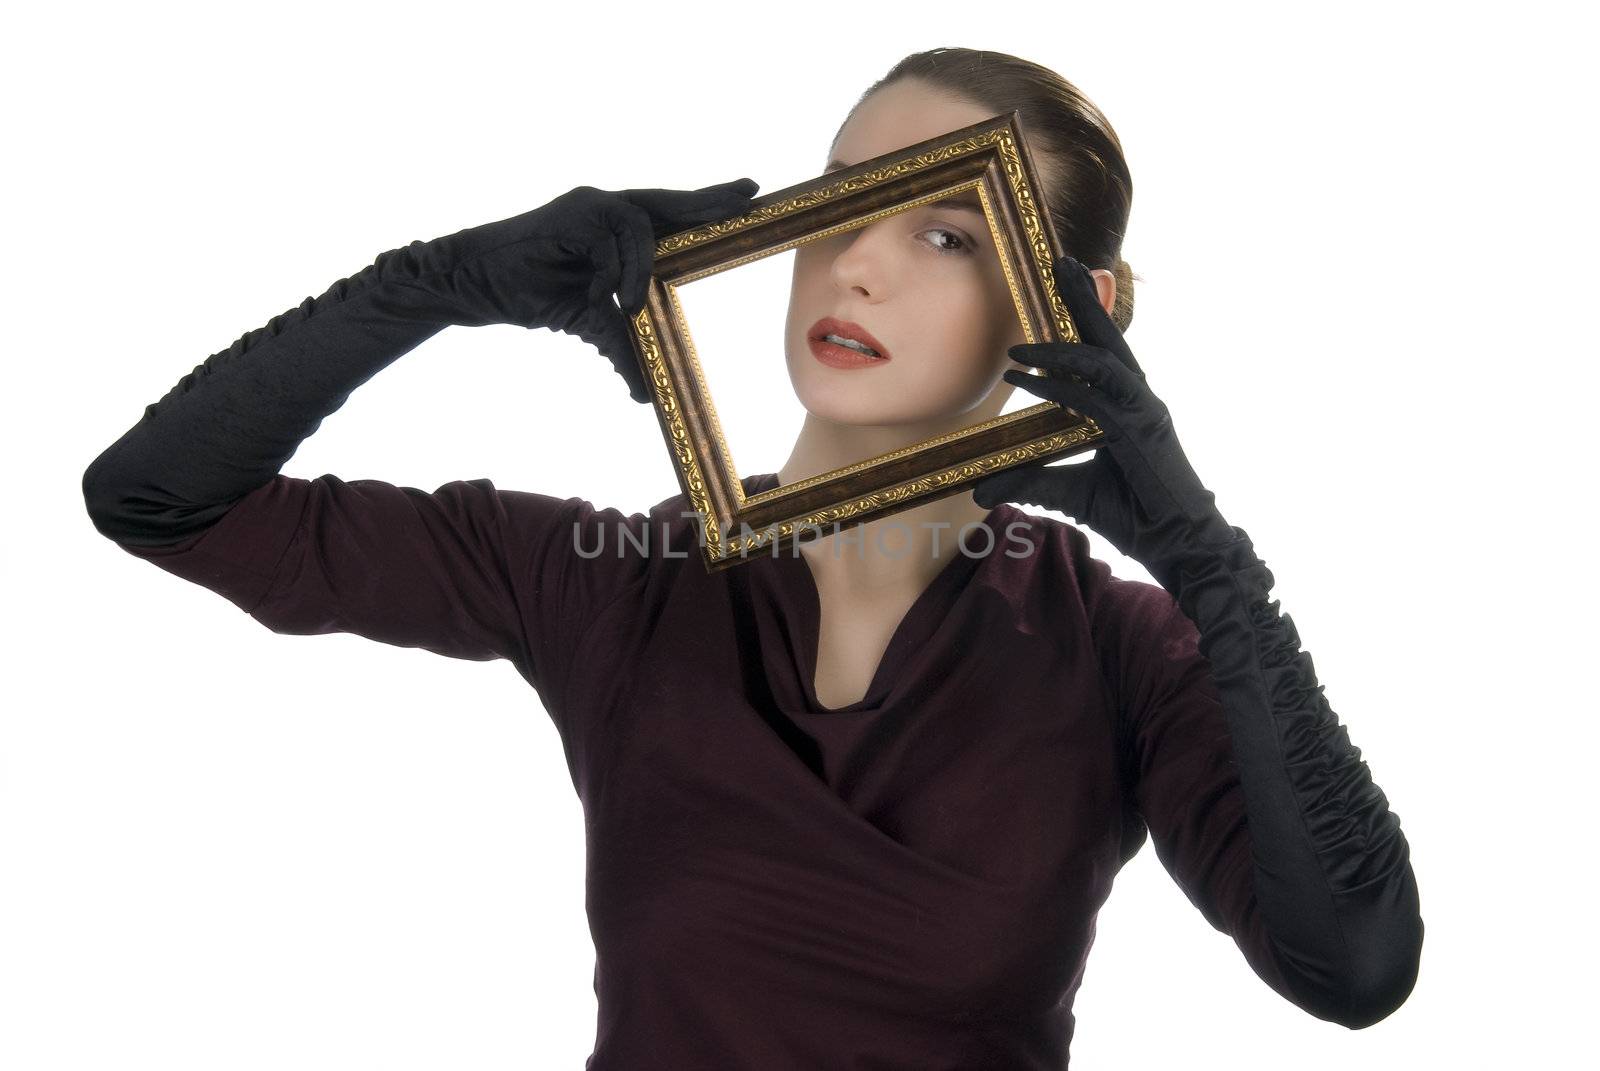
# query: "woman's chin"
{"points": [[855, 402], [851, 403]]}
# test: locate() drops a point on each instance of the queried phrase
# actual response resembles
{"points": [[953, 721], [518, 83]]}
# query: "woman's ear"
{"points": [[1105, 283]]}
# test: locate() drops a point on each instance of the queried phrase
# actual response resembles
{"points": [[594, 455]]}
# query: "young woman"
{"points": [[843, 809]]}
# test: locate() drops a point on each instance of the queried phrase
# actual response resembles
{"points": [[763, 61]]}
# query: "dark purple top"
{"points": [[907, 882]]}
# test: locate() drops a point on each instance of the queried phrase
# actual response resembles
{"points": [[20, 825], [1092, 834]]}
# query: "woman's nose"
{"points": [[860, 261]]}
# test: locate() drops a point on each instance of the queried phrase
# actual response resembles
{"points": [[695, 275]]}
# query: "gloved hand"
{"points": [[558, 265], [1139, 490]]}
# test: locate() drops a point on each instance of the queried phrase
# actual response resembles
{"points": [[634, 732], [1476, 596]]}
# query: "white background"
{"points": [[1366, 240]]}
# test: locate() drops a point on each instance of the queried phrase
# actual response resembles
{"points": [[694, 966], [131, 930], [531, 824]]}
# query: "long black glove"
{"points": [[1332, 874], [229, 426]]}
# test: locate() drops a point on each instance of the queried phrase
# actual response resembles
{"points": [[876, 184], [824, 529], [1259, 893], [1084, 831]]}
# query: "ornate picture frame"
{"points": [[990, 157]]}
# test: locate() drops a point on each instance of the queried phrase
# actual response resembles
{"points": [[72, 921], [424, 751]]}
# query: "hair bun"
{"points": [[1122, 307]]}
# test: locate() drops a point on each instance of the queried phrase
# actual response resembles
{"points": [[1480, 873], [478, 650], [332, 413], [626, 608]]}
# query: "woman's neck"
{"points": [[894, 556]]}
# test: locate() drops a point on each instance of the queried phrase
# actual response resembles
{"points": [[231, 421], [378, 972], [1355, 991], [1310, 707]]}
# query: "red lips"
{"points": [[828, 325]]}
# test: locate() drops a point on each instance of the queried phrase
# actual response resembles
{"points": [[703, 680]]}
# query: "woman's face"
{"points": [[926, 283]]}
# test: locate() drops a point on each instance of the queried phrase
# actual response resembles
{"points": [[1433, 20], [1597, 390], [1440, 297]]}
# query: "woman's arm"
{"points": [[1258, 804], [228, 426], [467, 571], [1327, 908]]}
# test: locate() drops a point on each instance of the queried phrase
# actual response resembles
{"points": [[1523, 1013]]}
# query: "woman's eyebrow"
{"points": [[962, 203]]}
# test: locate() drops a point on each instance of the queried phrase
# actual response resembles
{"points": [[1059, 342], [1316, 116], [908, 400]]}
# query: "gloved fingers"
{"points": [[1098, 366], [627, 365], [1081, 398], [1067, 488], [1018, 484], [1094, 324], [602, 324], [636, 247], [676, 210], [606, 328], [605, 254], [744, 188]]}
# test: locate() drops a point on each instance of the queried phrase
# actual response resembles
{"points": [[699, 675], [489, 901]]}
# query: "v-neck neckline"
{"points": [[909, 634]]}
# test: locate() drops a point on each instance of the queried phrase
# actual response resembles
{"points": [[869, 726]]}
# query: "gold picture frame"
{"points": [[990, 157]]}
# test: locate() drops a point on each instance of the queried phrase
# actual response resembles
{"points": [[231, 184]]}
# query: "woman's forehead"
{"points": [[897, 116]]}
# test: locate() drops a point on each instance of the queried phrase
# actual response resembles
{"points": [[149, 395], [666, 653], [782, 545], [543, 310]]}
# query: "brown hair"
{"points": [[1088, 191]]}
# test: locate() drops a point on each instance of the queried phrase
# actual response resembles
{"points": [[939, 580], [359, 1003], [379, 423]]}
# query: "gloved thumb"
{"points": [[676, 210], [1006, 486], [1062, 487]]}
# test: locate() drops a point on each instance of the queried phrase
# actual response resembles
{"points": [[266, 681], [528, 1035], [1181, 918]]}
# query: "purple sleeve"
{"points": [[1186, 783], [467, 571]]}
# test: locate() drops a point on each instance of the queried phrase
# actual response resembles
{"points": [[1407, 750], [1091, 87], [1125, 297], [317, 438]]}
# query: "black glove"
{"points": [[1332, 877], [229, 426], [1139, 490], [558, 265]]}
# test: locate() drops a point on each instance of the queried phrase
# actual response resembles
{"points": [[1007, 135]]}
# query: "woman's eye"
{"points": [[962, 244]]}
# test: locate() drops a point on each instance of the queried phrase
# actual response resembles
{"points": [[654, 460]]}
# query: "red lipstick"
{"points": [[838, 356]]}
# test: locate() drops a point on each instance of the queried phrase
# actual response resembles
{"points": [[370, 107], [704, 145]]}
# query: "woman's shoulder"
{"points": [[1137, 630], [1055, 551], [1051, 570]]}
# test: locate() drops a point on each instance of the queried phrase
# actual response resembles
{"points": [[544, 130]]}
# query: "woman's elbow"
{"points": [[1383, 978], [1380, 973]]}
